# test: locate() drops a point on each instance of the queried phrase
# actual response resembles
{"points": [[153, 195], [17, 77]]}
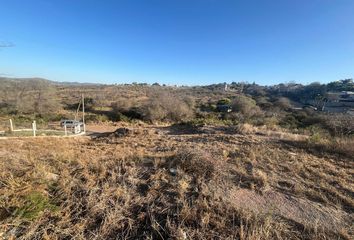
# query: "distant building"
{"points": [[225, 87], [345, 96], [340, 102]]}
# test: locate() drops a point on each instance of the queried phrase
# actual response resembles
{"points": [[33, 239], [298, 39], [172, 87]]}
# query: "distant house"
{"points": [[340, 102], [345, 96], [225, 87]]}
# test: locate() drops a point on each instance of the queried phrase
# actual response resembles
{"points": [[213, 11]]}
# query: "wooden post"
{"points": [[65, 130], [83, 112], [34, 128], [11, 126]]}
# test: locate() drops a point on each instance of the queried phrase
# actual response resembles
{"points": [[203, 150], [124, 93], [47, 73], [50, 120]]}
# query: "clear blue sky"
{"points": [[178, 41]]}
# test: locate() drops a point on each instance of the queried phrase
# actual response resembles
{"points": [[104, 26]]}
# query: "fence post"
{"points": [[34, 128], [65, 130], [11, 126]]}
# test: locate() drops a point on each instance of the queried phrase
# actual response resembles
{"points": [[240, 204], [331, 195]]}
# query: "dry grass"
{"points": [[153, 184], [341, 146]]}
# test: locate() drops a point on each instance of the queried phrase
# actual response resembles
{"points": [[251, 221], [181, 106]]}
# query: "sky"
{"points": [[183, 42]]}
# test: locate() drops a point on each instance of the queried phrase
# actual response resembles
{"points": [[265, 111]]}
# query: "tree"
{"points": [[246, 106], [341, 85]]}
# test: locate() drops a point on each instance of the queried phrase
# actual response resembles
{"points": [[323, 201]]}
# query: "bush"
{"points": [[224, 101], [195, 162], [339, 124], [164, 107], [271, 122], [125, 109], [245, 128], [301, 119], [244, 109], [283, 103], [264, 103], [246, 106], [160, 106], [96, 118]]}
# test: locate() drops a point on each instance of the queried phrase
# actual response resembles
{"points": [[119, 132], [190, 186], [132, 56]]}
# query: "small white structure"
{"points": [[225, 87], [77, 129]]}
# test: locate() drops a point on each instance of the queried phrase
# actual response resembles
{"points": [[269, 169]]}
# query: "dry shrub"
{"points": [[333, 145], [162, 106], [245, 128], [343, 146], [261, 178], [123, 108], [123, 105], [346, 146], [283, 103], [195, 162], [340, 124]]}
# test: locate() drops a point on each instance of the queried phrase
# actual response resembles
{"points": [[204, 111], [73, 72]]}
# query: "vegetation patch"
{"points": [[34, 204]]}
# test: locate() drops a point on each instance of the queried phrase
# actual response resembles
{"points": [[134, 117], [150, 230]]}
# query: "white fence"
{"points": [[9, 128]]}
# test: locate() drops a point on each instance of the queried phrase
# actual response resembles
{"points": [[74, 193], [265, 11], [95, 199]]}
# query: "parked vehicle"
{"points": [[70, 123]]}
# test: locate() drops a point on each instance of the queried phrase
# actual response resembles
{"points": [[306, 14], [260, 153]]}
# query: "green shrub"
{"points": [[224, 101], [34, 204]]}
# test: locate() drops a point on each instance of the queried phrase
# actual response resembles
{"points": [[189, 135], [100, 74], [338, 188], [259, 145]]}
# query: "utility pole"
{"points": [[77, 111], [83, 112]]}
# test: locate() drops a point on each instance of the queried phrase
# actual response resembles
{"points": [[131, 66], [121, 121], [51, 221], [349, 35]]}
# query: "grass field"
{"points": [[161, 182]]}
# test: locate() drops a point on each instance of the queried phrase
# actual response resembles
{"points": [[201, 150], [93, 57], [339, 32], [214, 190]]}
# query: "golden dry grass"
{"points": [[156, 183]]}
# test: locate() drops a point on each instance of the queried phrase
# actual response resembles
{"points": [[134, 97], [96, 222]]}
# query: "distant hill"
{"points": [[19, 80], [42, 80]]}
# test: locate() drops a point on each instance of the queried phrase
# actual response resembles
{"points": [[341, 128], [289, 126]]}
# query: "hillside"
{"points": [[159, 182], [298, 108], [240, 161]]}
